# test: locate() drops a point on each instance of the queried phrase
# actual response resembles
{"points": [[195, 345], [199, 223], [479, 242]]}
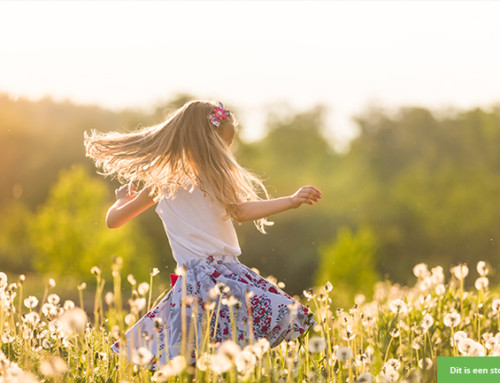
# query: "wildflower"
{"points": [[73, 321], [397, 306], [328, 287], [131, 279], [482, 269], [359, 299], [452, 319], [394, 333], [32, 318], [421, 270], [53, 366], [68, 305], [220, 363], [495, 305], [3, 280], [230, 301], [53, 299], [425, 284], [308, 294], [260, 347], [440, 289], [428, 363], [229, 349], [460, 271], [468, 347], [209, 306], [143, 288], [481, 283], [31, 302], [82, 286], [437, 275], [178, 364], [129, 319], [154, 272], [416, 344], [427, 322], [52, 283], [137, 304], [343, 354], [393, 363], [22, 278], [6, 337], [245, 362], [316, 344], [46, 344], [281, 285], [95, 271], [365, 377], [141, 356], [109, 298], [204, 361]]}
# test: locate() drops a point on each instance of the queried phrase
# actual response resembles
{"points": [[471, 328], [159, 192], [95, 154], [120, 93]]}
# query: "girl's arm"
{"points": [[253, 210], [128, 205]]}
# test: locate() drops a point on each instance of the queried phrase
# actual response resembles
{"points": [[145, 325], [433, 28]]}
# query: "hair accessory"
{"points": [[218, 115]]}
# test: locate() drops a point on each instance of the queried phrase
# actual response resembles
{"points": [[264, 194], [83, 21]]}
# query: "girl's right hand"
{"points": [[126, 192], [306, 194]]}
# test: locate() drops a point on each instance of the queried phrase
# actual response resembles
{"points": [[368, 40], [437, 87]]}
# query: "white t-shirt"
{"points": [[196, 226]]}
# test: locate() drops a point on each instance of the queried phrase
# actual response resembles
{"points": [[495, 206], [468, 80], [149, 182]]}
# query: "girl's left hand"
{"points": [[126, 192], [306, 194]]}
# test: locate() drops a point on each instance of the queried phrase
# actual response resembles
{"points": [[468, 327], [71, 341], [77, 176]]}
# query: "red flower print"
{"points": [[273, 290]]}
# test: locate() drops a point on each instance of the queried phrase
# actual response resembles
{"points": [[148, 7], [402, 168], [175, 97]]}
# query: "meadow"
{"points": [[394, 337]]}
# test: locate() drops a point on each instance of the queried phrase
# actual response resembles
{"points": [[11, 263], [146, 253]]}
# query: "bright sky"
{"points": [[255, 55]]}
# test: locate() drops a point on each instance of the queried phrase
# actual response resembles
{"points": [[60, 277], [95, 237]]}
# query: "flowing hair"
{"points": [[181, 152]]}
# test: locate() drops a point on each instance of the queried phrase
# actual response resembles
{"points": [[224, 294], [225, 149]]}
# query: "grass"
{"points": [[394, 337]]}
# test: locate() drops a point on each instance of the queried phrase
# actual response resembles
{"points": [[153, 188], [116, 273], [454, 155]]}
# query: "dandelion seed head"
{"points": [[482, 268], [427, 322], [53, 366], [460, 271], [421, 270], [129, 319], [109, 298], [281, 285], [154, 271], [95, 271], [52, 283], [31, 302], [316, 344], [68, 305], [73, 321], [359, 299], [343, 354], [440, 289], [230, 301], [452, 319], [3, 280], [220, 363], [131, 279], [397, 306], [143, 288], [141, 356], [245, 362], [437, 275], [53, 299], [82, 286], [308, 294], [481, 283]]}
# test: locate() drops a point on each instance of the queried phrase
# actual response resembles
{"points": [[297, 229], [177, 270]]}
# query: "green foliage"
{"points": [[15, 251], [69, 233], [349, 264]]}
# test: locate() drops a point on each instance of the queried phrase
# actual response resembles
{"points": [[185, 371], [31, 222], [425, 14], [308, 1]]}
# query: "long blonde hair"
{"points": [[181, 152]]}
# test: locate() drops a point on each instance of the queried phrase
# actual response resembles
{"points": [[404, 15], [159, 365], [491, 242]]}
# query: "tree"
{"points": [[349, 264], [69, 233]]}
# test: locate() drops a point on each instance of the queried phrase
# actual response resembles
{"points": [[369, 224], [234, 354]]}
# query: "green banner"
{"points": [[473, 369]]}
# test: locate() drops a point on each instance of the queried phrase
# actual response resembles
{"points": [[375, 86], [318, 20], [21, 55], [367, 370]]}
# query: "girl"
{"points": [[188, 171]]}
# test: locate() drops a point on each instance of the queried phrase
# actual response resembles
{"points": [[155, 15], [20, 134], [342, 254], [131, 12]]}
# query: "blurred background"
{"points": [[391, 109]]}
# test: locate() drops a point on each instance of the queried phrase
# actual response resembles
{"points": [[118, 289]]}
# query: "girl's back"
{"points": [[197, 226]]}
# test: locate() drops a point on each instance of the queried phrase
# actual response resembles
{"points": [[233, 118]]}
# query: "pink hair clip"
{"points": [[218, 115]]}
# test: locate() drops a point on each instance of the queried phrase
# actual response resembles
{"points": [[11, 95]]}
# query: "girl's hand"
{"points": [[306, 194], [126, 192]]}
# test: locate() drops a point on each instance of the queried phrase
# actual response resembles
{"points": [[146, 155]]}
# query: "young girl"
{"points": [[188, 171]]}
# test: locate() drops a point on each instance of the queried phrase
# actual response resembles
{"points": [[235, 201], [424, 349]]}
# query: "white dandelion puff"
{"points": [[343, 354], [53, 366], [452, 319], [316, 344]]}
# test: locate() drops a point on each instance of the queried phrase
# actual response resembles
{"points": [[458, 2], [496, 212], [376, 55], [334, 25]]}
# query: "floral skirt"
{"points": [[224, 292]]}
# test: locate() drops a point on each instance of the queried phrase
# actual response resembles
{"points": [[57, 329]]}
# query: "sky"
{"points": [[257, 56]]}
